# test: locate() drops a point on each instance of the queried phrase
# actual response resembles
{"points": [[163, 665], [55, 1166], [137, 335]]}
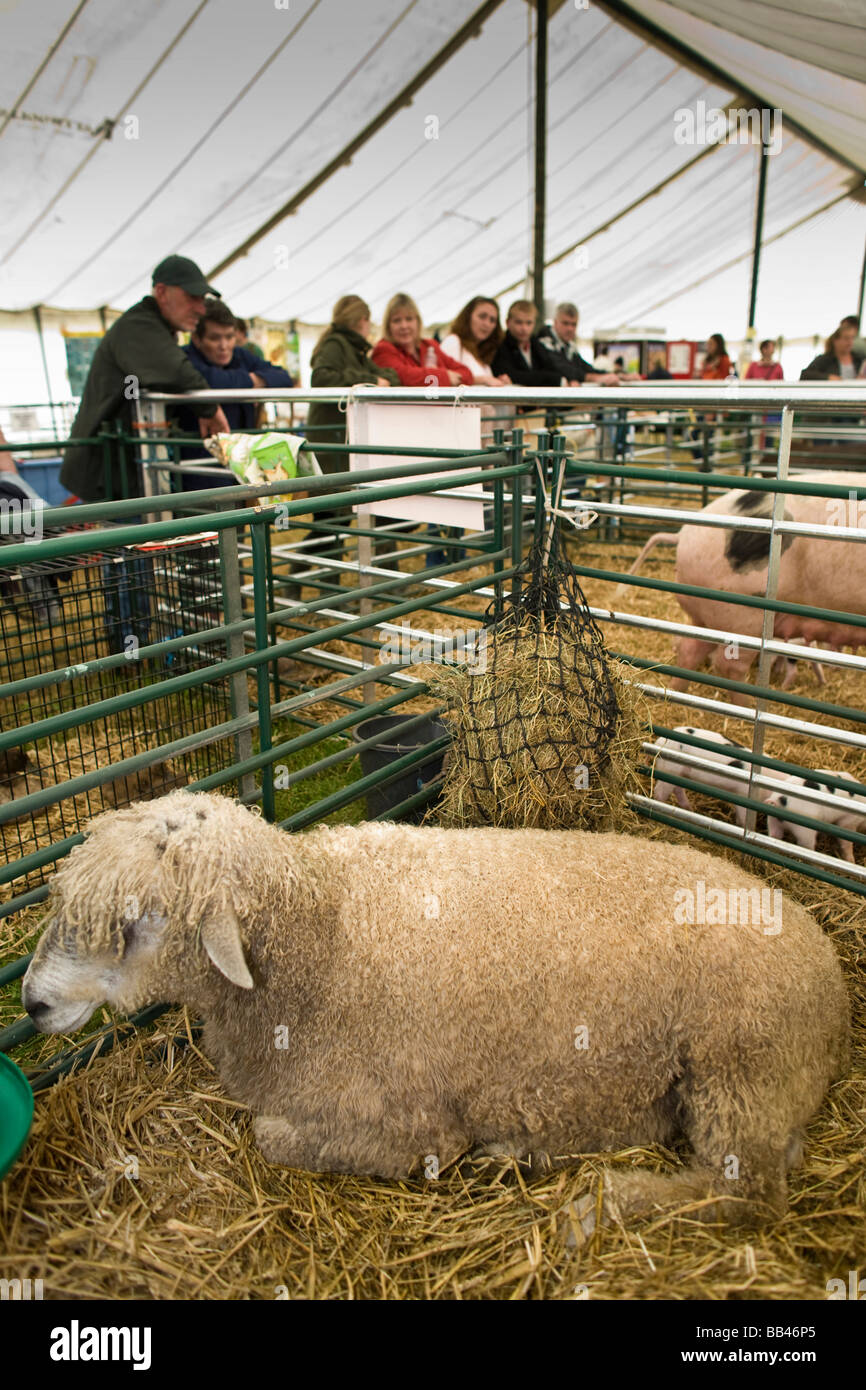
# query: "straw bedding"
{"points": [[142, 1180]]}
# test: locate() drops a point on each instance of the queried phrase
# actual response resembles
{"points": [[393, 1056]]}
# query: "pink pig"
{"points": [[816, 571]]}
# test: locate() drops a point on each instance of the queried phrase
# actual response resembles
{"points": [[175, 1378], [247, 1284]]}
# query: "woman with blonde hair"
{"points": [[839, 361], [417, 361]]}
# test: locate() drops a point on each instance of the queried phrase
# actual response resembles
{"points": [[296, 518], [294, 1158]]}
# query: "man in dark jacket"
{"points": [[138, 353], [560, 339]]}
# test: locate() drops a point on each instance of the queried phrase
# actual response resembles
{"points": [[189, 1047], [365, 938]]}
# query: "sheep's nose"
{"points": [[37, 1011]]}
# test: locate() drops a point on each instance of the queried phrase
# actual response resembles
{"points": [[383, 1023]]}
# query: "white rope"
{"points": [[581, 517], [347, 400]]}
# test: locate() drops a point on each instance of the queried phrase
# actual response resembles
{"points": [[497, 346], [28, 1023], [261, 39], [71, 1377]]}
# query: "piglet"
{"points": [[851, 816], [729, 755]]}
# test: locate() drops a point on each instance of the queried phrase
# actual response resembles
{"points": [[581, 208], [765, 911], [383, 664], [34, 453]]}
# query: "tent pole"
{"points": [[862, 288], [540, 156], [38, 317], [764, 157]]}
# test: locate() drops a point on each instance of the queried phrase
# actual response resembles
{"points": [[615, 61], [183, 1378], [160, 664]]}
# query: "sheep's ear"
{"points": [[221, 938]]}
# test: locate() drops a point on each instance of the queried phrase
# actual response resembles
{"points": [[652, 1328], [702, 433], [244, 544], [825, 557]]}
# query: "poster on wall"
{"points": [[625, 357], [681, 358], [419, 426], [284, 350], [80, 348]]}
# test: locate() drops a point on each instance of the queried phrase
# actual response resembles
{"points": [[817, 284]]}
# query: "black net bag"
{"points": [[546, 730]]}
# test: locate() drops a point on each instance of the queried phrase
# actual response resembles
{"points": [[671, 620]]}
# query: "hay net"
{"points": [[533, 729]]}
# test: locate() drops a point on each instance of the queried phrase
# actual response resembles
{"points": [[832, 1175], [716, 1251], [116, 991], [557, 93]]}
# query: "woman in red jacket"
{"points": [[717, 364], [419, 362]]}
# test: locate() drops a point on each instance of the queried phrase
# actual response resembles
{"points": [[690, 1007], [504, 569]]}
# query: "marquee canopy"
{"points": [[191, 125]]}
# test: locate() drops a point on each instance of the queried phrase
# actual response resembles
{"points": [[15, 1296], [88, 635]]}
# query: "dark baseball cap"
{"points": [[180, 270]]}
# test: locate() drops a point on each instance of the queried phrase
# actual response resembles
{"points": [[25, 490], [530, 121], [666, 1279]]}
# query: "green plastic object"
{"points": [[16, 1112]]}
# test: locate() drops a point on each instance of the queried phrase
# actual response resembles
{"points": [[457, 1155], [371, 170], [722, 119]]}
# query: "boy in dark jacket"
{"points": [[213, 351], [522, 357]]}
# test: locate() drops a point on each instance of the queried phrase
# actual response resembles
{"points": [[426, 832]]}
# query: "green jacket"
{"points": [[138, 353], [341, 359]]}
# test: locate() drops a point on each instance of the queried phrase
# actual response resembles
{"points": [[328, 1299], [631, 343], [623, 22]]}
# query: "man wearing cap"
{"points": [[139, 353]]}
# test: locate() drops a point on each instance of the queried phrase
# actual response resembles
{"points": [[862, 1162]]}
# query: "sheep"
{"points": [[386, 997]]}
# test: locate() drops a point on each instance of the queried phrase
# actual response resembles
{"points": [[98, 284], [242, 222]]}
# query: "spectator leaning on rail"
{"points": [[419, 362], [213, 353], [474, 339], [341, 357], [765, 369], [839, 361], [521, 357], [560, 339], [139, 353]]}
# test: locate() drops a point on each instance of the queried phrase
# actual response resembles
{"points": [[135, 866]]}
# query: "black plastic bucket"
{"points": [[384, 798]]}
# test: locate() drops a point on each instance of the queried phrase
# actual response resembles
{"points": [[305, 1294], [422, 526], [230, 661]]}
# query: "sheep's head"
{"points": [[141, 912]]}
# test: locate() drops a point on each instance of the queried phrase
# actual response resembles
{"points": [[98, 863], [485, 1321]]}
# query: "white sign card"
{"points": [[417, 426]]}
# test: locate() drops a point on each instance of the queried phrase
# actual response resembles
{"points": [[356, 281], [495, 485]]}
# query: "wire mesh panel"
{"points": [[60, 616]]}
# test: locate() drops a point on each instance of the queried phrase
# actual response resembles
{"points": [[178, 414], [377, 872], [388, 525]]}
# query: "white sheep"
{"points": [[385, 997]]}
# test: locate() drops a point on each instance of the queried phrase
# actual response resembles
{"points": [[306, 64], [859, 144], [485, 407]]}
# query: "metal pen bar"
{"points": [[739, 395]]}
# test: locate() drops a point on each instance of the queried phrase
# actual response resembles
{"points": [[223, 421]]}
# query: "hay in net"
{"points": [[548, 733]]}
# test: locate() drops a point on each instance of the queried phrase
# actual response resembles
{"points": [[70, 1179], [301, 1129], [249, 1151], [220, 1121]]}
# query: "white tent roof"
{"points": [[223, 111], [809, 59]]}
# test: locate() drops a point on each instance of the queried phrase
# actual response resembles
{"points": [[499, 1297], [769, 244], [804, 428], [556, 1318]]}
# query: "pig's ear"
{"points": [[221, 938]]}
